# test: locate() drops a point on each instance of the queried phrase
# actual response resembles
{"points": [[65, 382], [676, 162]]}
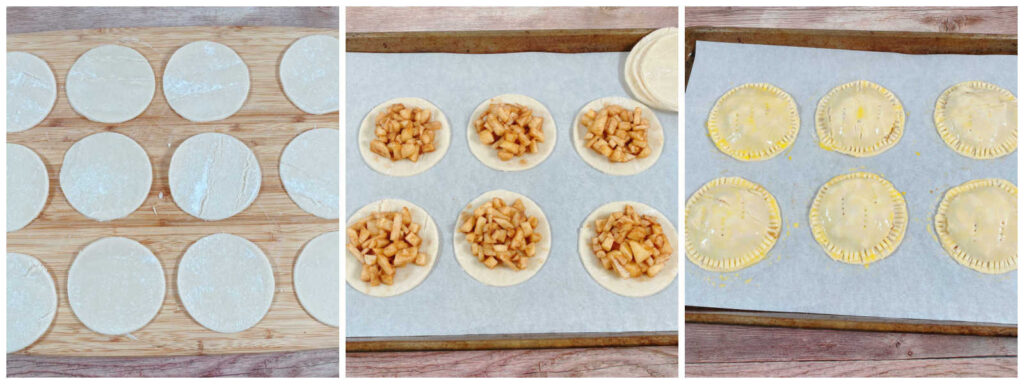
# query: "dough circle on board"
{"points": [[858, 218], [731, 224], [31, 301], [977, 119], [632, 69], [115, 286], [860, 119], [106, 176], [213, 176], [309, 74], [225, 282], [632, 287], [110, 84], [31, 91], [28, 186], [206, 81], [309, 172], [977, 225], [409, 276], [316, 277], [658, 69], [655, 138], [489, 156], [754, 122], [403, 167]]}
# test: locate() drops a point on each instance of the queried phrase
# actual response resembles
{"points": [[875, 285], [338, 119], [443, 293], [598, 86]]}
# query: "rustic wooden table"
{"points": [[736, 350]]}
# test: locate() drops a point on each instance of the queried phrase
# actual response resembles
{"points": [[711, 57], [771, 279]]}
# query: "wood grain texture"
{"points": [[410, 19], [1002, 20], [482, 42], [964, 367], [265, 123], [511, 341], [41, 19]]}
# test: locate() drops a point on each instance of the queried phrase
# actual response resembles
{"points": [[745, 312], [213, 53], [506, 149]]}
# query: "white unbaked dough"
{"points": [[316, 277], [31, 301], [214, 176], [106, 176], [632, 70], [28, 186], [502, 276], [659, 70], [404, 167], [110, 84], [31, 91], [637, 286], [225, 282], [309, 172], [115, 286], [206, 81], [309, 74], [489, 156], [409, 276], [655, 138]]}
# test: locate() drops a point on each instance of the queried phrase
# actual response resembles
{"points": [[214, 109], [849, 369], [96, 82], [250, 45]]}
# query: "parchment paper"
{"points": [[919, 280], [562, 297]]}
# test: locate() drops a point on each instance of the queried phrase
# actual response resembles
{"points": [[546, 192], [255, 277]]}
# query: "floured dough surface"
{"points": [[977, 225], [731, 224], [115, 286], [489, 156], [754, 122], [106, 176], [28, 186], [655, 138], [31, 91], [632, 287], [110, 84], [309, 172], [309, 74], [214, 176], [206, 81], [632, 70], [408, 276], [404, 167], [502, 276], [659, 70], [859, 119], [858, 218], [977, 119], [316, 277], [31, 301], [225, 282]]}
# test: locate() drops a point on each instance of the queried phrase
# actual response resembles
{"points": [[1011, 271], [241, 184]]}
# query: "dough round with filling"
{"points": [[859, 119], [309, 74], [31, 301], [309, 172], [225, 282], [655, 138], [28, 186], [731, 224], [632, 287], [409, 276], [316, 277], [213, 176], [115, 286], [501, 276], [858, 218], [755, 121], [632, 70], [977, 225], [106, 176], [31, 91], [206, 81], [403, 167], [110, 84], [977, 119], [489, 156]]}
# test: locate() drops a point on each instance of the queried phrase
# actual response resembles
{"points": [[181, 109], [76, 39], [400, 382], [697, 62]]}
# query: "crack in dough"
{"points": [[214, 176], [31, 91]]}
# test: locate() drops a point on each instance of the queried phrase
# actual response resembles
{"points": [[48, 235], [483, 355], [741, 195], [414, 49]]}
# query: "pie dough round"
{"points": [[309, 74], [409, 276], [309, 172], [225, 282], [977, 119], [489, 156], [664, 62], [859, 119], [501, 276], [755, 121], [655, 138], [404, 167], [206, 81], [115, 286], [31, 91], [28, 186], [858, 218], [106, 176], [977, 225], [31, 301], [637, 286], [213, 176], [316, 277], [110, 84], [731, 224]]}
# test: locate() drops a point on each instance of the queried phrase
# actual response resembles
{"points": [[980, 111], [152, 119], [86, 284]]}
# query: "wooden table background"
{"points": [[736, 350]]}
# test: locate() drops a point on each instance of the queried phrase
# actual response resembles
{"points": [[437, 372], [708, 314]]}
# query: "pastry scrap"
{"points": [[977, 225], [617, 133], [731, 224], [404, 133], [631, 244], [858, 218], [511, 129], [754, 122], [859, 119], [977, 119], [502, 233], [384, 242]]}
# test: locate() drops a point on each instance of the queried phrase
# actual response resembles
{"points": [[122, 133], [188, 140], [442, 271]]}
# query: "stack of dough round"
{"points": [[652, 69]]}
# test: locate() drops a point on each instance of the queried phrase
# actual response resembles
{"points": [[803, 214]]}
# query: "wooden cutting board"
{"points": [[266, 123]]}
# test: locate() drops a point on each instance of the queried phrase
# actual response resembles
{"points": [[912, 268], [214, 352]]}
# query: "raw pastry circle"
{"points": [[31, 91], [731, 224], [115, 286], [659, 70], [206, 81], [309, 172], [860, 119], [31, 301], [637, 84], [489, 156], [309, 74], [637, 286], [316, 277], [404, 167], [106, 176], [754, 122], [858, 218], [502, 276], [977, 119], [225, 282], [977, 225], [409, 276], [110, 84], [28, 186], [213, 176], [655, 138]]}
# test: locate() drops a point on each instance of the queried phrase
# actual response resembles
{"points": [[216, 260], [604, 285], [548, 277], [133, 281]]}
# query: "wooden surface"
{"points": [[553, 40], [1000, 20], [510, 341], [41, 19], [309, 363], [416, 19]]}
